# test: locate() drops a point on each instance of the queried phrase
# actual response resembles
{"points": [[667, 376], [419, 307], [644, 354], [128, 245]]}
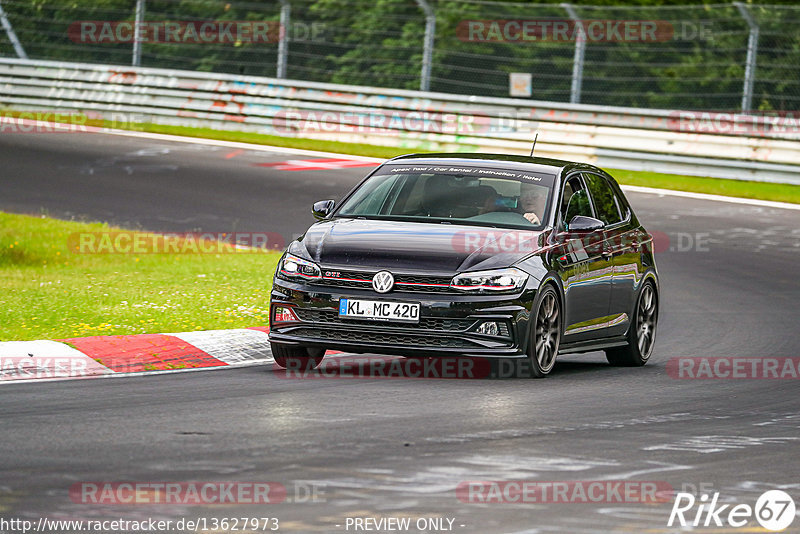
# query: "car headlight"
{"points": [[294, 268], [490, 281]]}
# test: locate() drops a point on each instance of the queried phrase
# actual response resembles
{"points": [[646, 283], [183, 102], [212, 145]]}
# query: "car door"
{"points": [[586, 274], [618, 247]]}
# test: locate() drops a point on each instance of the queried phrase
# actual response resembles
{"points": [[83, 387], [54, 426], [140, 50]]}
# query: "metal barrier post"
{"points": [[12, 36], [577, 61], [283, 39], [137, 33], [752, 53], [427, 52]]}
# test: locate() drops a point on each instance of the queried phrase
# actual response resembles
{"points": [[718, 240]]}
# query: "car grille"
{"points": [[425, 323], [403, 282], [428, 284], [409, 340]]}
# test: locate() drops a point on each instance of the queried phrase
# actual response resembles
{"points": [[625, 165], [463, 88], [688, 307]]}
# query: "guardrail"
{"points": [[737, 146]]}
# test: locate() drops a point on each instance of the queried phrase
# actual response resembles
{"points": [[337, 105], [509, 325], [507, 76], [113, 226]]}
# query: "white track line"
{"points": [[716, 198]]}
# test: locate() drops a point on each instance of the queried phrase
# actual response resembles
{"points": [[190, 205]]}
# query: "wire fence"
{"points": [[708, 57]]}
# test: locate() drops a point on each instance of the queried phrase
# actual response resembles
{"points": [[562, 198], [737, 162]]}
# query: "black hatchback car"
{"points": [[470, 255]]}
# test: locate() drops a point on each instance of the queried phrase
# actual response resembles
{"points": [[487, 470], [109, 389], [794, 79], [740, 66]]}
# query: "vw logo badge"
{"points": [[383, 282]]}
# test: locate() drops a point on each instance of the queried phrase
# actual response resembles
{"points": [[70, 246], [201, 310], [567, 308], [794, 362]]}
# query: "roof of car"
{"points": [[534, 164]]}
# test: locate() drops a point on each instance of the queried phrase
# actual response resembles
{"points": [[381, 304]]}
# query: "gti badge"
{"points": [[383, 282]]}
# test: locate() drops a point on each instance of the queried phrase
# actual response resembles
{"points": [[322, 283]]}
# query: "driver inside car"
{"points": [[532, 201]]}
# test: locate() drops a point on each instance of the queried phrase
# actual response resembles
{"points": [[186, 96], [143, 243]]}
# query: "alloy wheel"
{"points": [[548, 332], [646, 321]]}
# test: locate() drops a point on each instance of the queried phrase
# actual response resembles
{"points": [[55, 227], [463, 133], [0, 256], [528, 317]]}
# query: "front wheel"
{"points": [[545, 333], [297, 358], [641, 333]]}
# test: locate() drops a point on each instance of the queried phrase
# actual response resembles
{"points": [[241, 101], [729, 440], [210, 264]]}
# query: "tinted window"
{"points": [[605, 201], [575, 200]]}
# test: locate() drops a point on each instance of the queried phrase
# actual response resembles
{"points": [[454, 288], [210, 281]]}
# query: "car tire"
{"points": [[641, 333], [545, 336], [297, 358]]}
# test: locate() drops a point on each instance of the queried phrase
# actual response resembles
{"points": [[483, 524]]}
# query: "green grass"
{"points": [[716, 186], [49, 291]]}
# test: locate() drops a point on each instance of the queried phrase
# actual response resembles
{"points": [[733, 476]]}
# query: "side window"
{"points": [[575, 200], [622, 204], [605, 201]]}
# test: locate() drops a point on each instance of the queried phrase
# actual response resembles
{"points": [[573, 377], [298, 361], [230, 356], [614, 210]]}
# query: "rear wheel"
{"points": [[297, 358], [545, 333], [641, 334]]}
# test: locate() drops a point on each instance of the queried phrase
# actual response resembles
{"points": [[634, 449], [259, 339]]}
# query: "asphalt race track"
{"points": [[396, 447]]}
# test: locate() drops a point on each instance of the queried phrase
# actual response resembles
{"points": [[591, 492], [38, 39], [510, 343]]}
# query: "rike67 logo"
{"points": [[774, 510]]}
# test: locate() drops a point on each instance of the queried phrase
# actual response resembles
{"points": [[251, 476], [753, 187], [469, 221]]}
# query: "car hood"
{"points": [[414, 246]]}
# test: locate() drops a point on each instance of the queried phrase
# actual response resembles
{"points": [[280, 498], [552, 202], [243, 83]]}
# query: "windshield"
{"points": [[469, 195]]}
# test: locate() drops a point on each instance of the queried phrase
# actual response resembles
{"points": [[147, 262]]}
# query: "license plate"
{"points": [[379, 310]]}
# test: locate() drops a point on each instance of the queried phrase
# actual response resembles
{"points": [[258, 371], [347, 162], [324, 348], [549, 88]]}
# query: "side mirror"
{"points": [[322, 209], [579, 223]]}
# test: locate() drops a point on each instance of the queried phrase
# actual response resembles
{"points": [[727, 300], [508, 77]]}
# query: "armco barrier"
{"points": [[611, 137]]}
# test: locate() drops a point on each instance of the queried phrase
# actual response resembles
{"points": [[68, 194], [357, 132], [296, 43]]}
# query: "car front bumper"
{"points": [[447, 327]]}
